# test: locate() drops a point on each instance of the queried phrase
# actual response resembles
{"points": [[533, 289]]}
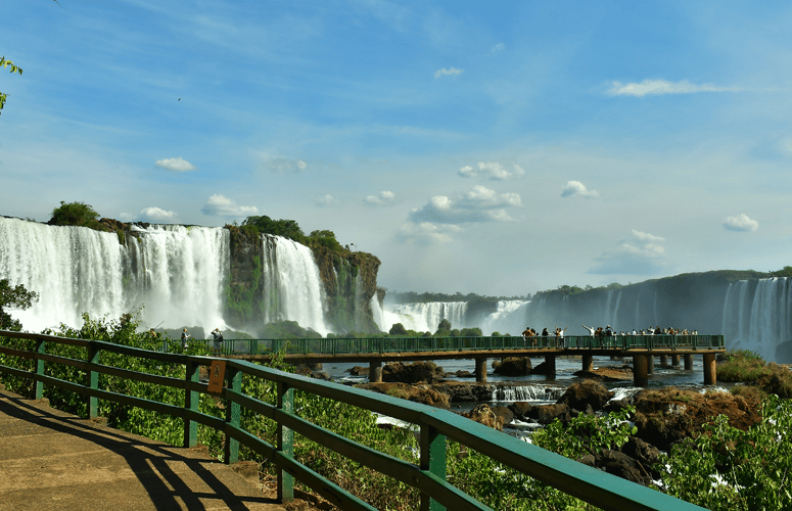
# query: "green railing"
{"points": [[384, 345], [436, 426]]}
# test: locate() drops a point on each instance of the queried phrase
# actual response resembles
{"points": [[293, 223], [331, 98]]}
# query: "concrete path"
{"points": [[50, 460]]}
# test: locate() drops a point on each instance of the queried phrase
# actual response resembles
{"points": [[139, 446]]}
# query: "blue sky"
{"points": [[500, 148]]}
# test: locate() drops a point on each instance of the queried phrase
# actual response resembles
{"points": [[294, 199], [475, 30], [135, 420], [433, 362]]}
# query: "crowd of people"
{"points": [[604, 336]]}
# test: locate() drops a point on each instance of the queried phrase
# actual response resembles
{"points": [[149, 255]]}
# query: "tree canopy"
{"points": [[13, 297]]}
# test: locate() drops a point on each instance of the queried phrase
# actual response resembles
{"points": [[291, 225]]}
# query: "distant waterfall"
{"points": [[425, 317], [756, 317], [293, 289], [509, 318], [177, 273]]}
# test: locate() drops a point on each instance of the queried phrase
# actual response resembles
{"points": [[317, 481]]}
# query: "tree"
{"points": [[14, 69], [74, 213], [16, 297], [444, 325]]}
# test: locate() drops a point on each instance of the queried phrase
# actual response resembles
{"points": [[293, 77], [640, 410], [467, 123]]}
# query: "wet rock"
{"points": [[615, 405], [483, 414], [358, 371], [645, 454], [512, 366], [621, 465], [586, 395], [543, 414], [412, 373], [504, 413]]}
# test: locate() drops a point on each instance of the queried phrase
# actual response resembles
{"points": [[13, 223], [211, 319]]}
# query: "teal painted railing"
{"points": [[384, 345], [590, 485]]}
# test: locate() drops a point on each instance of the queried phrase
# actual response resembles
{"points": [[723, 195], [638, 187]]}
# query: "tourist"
{"points": [[218, 341], [184, 337]]}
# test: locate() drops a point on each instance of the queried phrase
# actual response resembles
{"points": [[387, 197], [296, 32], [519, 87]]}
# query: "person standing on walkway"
{"points": [[184, 337], [218, 341]]}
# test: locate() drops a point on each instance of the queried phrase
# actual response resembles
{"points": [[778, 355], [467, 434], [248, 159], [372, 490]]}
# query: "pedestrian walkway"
{"points": [[51, 460]]}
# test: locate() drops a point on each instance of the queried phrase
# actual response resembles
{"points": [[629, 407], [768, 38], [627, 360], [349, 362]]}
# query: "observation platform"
{"points": [[51, 460], [643, 349]]}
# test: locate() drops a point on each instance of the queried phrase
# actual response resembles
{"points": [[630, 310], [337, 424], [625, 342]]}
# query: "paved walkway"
{"points": [[50, 460]]}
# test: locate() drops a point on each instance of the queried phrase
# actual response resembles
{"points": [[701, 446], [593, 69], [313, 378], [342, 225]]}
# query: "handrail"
{"points": [[436, 426], [384, 345]]}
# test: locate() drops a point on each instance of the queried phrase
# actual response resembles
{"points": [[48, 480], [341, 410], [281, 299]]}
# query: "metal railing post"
{"points": [[233, 415], [285, 443], [191, 400], [433, 460], [38, 386], [93, 381]]}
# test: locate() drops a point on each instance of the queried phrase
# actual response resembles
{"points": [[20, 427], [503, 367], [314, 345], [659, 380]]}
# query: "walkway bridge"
{"points": [[91, 372], [642, 348]]}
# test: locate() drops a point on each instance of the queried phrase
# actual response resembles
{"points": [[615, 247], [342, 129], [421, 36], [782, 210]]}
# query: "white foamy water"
{"points": [[293, 287], [424, 317], [509, 318]]}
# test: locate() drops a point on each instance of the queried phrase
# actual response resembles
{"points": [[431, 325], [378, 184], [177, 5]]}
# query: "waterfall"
{"points": [[509, 318], [293, 288], [425, 317], [526, 393], [176, 273]]}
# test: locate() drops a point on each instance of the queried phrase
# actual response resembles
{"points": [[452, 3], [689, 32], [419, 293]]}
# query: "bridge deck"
{"points": [[53, 460]]}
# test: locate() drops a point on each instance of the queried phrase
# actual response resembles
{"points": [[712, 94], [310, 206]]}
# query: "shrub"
{"points": [[75, 213]]}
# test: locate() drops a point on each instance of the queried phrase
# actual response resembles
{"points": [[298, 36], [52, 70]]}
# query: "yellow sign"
{"points": [[216, 377]]}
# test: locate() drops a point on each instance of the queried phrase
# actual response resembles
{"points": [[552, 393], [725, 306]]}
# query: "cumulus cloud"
{"points": [[492, 170], [640, 253], [175, 164], [648, 87], [285, 165], [384, 198], [154, 214], [326, 200], [576, 188], [219, 205], [478, 205], [451, 71], [740, 223], [427, 233], [498, 48]]}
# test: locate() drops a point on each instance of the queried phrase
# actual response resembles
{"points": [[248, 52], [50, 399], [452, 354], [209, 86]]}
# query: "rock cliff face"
{"points": [[348, 282]]}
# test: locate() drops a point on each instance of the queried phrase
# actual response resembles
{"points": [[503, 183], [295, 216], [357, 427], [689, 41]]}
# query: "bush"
{"points": [[75, 213]]}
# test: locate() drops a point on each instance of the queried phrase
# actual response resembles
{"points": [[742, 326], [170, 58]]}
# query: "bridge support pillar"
{"points": [[688, 362], [375, 371], [675, 360], [481, 369], [588, 362], [640, 370], [550, 363], [710, 372], [649, 364], [663, 360]]}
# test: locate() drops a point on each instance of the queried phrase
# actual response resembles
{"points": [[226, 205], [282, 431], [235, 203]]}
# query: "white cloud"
{"points": [[492, 170], [663, 87], [451, 71], [326, 200], [573, 188], [175, 164], [427, 233], [478, 205], [638, 254], [498, 48], [285, 165], [385, 197], [740, 223], [154, 214], [219, 205]]}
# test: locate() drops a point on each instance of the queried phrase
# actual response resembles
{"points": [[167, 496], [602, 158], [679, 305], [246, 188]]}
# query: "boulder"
{"points": [[543, 414], [586, 395], [358, 371], [504, 413], [512, 366], [412, 373], [483, 414], [645, 454]]}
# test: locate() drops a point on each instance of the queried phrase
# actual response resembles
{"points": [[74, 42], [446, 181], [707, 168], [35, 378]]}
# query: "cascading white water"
{"points": [[425, 317], [73, 270], [507, 319], [293, 287], [176, 273], [758, 319], [527, 393], [185, 270]]}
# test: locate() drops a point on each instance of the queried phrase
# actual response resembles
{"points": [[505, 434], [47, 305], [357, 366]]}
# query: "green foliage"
{"points": [[75, 213], [398, 329], [287, 330], [444, 325], [426, 297], [265, 225], [7, 64], [727, 468], [13, 297], [325, 239], [785, 272]]}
